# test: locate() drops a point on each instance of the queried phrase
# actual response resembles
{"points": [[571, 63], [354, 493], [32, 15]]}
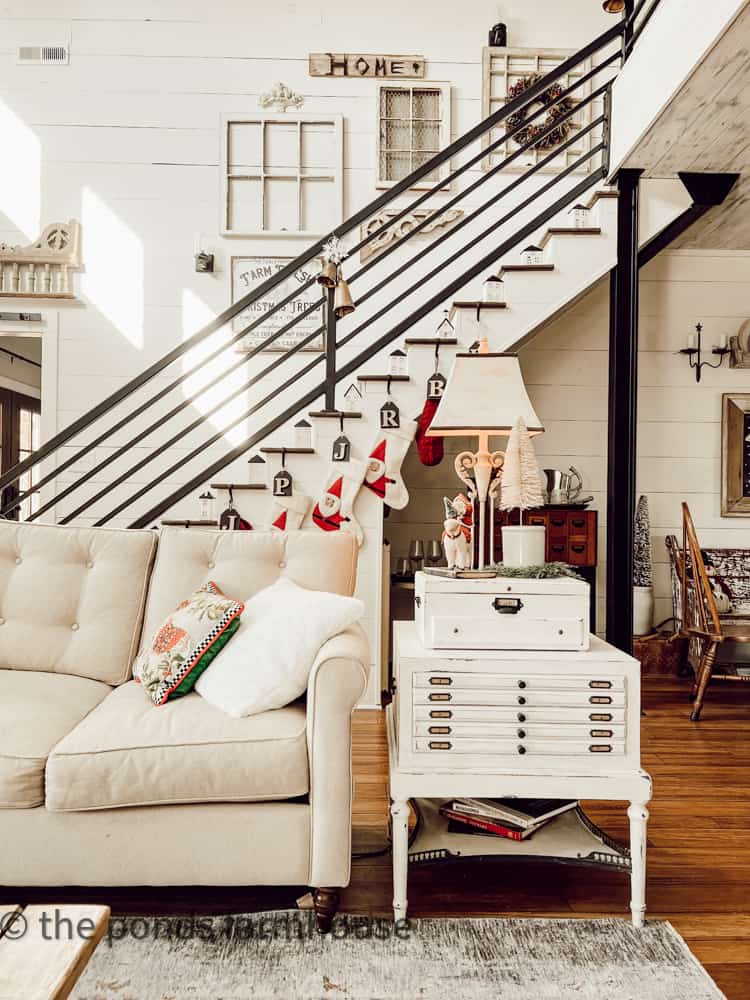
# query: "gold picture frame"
{"points": [[735, 454]]}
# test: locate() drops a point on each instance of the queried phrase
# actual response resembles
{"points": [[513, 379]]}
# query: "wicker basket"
{"points": [[663, 651]]}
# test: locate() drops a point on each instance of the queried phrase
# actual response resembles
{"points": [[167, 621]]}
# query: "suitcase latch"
{"points": [[507, 605]]}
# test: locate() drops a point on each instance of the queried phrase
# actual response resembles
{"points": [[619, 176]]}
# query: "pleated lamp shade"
{"points": [[485, 395]]}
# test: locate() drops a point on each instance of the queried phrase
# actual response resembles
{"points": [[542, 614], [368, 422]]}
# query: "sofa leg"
{"points": [[325, 903]]}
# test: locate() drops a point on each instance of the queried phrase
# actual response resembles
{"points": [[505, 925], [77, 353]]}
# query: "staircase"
{"points": [[192, 419]]}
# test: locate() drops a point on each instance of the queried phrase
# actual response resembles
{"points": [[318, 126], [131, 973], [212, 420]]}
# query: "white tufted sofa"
{"points": [[99, 787]]}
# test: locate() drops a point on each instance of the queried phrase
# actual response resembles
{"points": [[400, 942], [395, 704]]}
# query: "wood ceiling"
{"points": [[707, 128]]}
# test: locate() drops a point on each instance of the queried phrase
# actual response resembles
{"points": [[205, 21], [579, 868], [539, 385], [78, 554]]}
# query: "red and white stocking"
{"points": [[383, 475], [288, 513], [334, 509]]}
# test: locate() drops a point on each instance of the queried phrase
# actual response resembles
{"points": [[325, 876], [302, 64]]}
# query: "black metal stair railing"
{"points": [[578, 97]]}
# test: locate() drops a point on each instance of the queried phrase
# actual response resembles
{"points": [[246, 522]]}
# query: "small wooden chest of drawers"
{"points": [[522, 711], [571, 533]]}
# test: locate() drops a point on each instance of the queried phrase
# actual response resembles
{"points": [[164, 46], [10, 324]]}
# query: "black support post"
{"points": [[330, 380], [623, 389]]}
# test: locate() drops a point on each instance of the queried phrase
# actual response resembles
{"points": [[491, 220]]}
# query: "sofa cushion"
{"points": [[72, 599], [36, 711], [245, 562], [128, 753]]}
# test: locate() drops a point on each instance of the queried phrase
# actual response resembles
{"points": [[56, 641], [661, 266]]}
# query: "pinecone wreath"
{"points": [[529, 132]]}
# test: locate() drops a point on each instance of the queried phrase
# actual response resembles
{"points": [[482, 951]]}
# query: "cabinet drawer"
{"points": [[498, 696], [593, 715], [518, 681], [450, 729], [502, 621], [516, 749]]}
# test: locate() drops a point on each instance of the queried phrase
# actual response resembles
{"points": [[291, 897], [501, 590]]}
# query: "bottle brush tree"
{"points": [[642, 575], [521, 485]]}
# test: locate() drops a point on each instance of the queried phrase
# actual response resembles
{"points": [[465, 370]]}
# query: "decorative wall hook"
{"points": [[280, 98], [694, 349]]}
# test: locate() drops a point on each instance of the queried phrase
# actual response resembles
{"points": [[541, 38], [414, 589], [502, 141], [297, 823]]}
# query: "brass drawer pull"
{"points": [[440, 745], [600, 684], [441, 713], [435, 696], [600, 699], [600, 748], [601, 734], [558, 522], [445, 731], [507, 605], [600, 717], [578, 549], [443, 681], [578, 522]]}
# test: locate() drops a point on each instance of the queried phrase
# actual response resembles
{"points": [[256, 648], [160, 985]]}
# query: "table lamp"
{"points": [[484, 397]]}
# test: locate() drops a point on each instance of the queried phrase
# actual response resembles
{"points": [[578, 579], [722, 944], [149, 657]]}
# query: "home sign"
{"points": [[355, 64]]}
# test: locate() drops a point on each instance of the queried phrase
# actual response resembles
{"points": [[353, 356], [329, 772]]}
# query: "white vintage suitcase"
{"points": [[502, 613]]}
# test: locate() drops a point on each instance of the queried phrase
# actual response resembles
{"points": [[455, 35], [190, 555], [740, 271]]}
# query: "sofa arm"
{"points": [[337, 681]]}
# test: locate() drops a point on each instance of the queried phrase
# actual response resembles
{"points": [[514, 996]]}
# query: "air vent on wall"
{"points": [[39, 55]]}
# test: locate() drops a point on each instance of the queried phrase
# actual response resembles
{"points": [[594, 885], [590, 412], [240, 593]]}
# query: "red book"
{"points": [[488, 826]]}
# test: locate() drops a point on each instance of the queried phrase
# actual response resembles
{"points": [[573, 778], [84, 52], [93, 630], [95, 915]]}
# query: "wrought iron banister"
{"points": [[335, 373], [362, 215]]}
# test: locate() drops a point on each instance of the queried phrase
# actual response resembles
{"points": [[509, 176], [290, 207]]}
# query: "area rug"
{"points": [[280, 955]]}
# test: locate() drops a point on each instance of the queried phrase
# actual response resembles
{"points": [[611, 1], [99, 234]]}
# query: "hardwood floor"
{"points": [[699, 839], [698, 859]]}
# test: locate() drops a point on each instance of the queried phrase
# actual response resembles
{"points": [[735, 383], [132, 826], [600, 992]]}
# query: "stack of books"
{"points": [[515, 819]]}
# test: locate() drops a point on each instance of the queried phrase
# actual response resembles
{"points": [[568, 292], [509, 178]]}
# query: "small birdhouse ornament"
{"points": [[446, 330], [207, 506], [303, 434], [352, 398], [398, 363], [256, 471], [493, 289], [580, 215], [532, 255]]}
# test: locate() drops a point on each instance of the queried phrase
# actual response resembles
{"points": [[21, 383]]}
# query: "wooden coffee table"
{"points": [[44, 949]]}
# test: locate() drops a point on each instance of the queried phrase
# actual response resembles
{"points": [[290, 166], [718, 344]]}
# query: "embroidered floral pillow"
{"points": [[187, 642]]}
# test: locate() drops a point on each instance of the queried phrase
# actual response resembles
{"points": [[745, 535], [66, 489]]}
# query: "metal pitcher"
{"points": [[562, 487]]}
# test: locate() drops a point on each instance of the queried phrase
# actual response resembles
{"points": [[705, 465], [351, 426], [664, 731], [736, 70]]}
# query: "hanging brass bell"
{"points": [[327, 276], [343, 304]]}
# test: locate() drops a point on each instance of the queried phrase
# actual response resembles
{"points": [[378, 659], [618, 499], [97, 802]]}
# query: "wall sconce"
{"points": [[202, 259], [693, 351]]}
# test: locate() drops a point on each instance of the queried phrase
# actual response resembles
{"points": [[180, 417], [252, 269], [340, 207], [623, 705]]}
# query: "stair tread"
{"points": [[526, 267], [432, 341], [485, 305], [187, 523], [289, 451], [383, 378], [335, 414], [238, 486], [568, 231]]}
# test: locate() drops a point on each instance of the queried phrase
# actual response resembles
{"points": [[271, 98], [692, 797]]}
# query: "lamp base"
{"points": [[461, 574]]}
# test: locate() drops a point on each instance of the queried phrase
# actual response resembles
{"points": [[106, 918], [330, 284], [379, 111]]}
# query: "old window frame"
{"points": [[444, 120], [266, 172]]}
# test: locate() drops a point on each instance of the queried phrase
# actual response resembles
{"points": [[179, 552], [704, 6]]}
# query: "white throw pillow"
{"points": [[268, 661]]}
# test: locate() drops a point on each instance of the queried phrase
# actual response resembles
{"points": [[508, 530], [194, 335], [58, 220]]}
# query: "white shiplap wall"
{"points": [[126, 138], [679, 427]]}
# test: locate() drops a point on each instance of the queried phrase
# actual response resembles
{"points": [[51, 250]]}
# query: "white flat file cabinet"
{"points": [[532, 724]]}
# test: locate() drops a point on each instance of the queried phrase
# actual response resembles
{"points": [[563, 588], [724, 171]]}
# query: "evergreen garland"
{"points": [[642, 575]]}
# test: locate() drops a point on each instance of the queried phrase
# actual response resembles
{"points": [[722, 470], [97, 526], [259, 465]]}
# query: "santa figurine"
{"points": [[327, 511], [375, 477]]}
